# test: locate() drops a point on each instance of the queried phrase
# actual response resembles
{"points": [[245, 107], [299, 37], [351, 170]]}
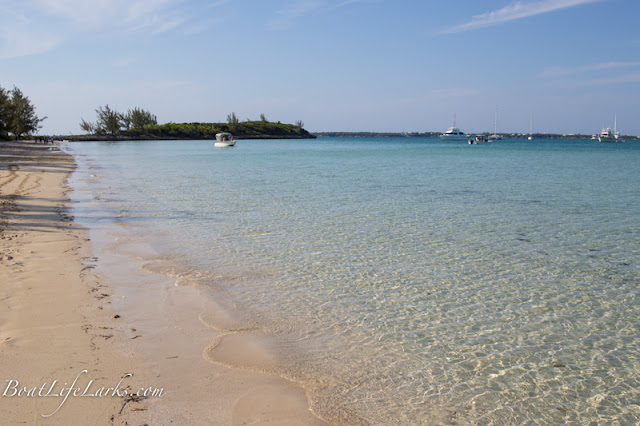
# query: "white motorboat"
{"points": [[478, 139], [611, 137], [453, 133], [607, 136], [224, 139]]}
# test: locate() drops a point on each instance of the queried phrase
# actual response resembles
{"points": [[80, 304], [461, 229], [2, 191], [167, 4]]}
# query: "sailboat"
{"points": [[495, 136], [616, 134], [531, 129]]}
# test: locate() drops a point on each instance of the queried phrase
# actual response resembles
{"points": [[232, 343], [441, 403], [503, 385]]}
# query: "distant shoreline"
{"points": [[106, 138], [437, 134]]}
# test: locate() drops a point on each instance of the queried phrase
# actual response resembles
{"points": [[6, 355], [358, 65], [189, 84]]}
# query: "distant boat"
{"points": [[616, 134], [495, 136], [477, 139], [606, 136], [224, 140], [531, 129], [453, 133]]}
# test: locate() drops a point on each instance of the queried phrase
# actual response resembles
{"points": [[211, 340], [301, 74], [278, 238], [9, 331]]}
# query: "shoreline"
{"points": [[56, 328], [61, 316]]}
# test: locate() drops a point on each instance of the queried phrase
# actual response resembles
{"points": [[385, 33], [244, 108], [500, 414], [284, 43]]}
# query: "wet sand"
{"points": [[78, 348]]}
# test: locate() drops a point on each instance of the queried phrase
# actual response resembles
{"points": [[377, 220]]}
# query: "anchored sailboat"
{"points": [[495, 136]]}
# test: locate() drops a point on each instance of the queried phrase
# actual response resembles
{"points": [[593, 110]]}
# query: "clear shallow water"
{"points": [[409, 280]]}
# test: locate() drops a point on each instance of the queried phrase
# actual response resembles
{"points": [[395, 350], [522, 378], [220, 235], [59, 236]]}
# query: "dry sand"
{"points": [[60, 329]]}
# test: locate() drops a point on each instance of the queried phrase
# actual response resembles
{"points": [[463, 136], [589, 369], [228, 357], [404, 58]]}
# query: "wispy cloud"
{"points": [[284, 18], [153, 16], [349, 2], [565, 71], [19, 37], [630, 77], [517, 10], [601, 74], [633, 77], [30, 27], [456, 92], [16, 42]]}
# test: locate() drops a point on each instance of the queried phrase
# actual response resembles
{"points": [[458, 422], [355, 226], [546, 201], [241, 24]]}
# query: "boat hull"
{"points": [[607, 140], [453, 137], [224, 144]]}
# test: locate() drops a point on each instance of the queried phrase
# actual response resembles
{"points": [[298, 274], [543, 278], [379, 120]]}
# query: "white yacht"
{"points": [[608, 136], [453, 133]]}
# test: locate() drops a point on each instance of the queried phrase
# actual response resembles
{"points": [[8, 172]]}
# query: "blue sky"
{"points": [[351, 65]]}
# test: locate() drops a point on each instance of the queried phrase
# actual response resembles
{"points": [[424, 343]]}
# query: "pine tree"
{"points": [[109, 121], [17, 114], [139, 118]]}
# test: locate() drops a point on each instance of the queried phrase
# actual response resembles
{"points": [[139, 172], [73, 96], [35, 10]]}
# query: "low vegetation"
{"points": [[245, 129]]}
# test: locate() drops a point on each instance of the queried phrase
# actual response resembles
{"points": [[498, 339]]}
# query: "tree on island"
{"points": [[112, 122], [109, 120], [138, 118], [17, 114], [87, 126], [233, 120]]}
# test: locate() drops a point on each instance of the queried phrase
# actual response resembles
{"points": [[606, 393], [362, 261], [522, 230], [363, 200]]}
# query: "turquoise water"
{"points": [[408, 280]]}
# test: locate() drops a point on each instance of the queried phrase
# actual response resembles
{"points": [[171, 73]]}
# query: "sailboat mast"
{"points": [[531, 126]]}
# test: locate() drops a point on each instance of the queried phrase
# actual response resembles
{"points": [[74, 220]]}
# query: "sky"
{"points": [[558, 66]]}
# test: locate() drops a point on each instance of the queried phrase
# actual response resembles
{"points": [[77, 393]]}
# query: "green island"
{"points": [[182, 131], [139, 124]]}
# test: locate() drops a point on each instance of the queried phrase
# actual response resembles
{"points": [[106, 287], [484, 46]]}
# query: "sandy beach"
{"points": [[70, 355]]}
